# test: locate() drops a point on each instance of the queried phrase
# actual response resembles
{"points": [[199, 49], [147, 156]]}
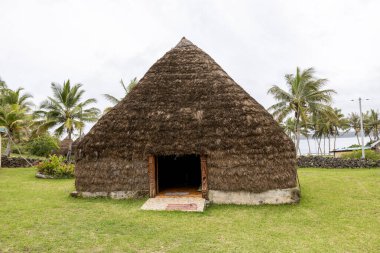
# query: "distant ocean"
{"points": [[341, 142]]}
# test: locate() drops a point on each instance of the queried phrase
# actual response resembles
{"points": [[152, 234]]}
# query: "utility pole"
{"points": [[361, 127]]}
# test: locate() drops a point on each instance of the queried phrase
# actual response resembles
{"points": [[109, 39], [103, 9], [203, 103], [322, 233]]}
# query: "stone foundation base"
{"points": [[112, 195], [279, 196]]}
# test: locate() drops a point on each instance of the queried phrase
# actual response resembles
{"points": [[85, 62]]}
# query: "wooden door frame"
{"points": [[204, 176], [153, 175]]}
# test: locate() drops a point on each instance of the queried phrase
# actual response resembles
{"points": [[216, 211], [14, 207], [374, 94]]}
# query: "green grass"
{"points": [[28, 156], [339, 212]]}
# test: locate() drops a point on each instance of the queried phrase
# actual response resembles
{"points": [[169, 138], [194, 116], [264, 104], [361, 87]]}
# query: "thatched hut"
{"points": [[74, 145], [64, 146], [188, 124]]}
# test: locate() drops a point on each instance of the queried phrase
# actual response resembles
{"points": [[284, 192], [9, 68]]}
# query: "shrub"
{"points": [[56, 167], [17, 148], [357, 154], [43, 145]]}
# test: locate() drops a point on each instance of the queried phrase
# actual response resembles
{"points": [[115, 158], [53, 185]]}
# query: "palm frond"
{"points": [[111, 99]]}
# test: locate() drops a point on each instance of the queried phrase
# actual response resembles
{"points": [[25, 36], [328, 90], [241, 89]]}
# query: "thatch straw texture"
{"points": [[74, 145], [64, 146], [187, 104]]}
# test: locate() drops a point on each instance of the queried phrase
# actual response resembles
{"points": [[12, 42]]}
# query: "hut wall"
{"points": [[226, 173], [251, 171], [113, 175]]}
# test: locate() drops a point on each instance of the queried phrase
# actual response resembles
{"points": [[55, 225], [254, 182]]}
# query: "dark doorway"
{"points": [[178, 172]]}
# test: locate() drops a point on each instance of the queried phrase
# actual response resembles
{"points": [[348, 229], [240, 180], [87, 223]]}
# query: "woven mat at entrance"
{"points": [[186, 204], [181, 207]]}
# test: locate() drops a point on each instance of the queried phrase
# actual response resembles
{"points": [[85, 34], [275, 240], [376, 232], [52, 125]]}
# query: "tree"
{"points": [[14, 97], [354, 123], [16, 120], [132, 84], [289, 128], [316, 126], [339, 123], [65, 111], [3, 85], [305, 131], [305, 94], [14, 108], [372, 124], [323, 123], [366, 126], [3, 89], [43, 145], [329, 123]]}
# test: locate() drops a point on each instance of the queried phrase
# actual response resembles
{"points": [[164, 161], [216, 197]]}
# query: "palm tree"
{"points": [[372, 124], [316, 126], [3, 89], [305, 94], [289, 128], [331, 121], [3, 85], [354, 123], [14, 117], [65, 111], [366, 126], [12, 97], [323, 129], [339, 123], [14, 107], [132, 84], [305, 131]]}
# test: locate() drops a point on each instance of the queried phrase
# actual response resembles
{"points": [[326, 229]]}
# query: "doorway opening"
{"points": [[179, 175]]}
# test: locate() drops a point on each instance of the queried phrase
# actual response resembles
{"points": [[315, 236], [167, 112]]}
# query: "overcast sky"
{"points": [[97, 43]]}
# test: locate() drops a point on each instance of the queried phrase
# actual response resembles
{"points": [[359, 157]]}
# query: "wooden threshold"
{"points": [[180, 192]]}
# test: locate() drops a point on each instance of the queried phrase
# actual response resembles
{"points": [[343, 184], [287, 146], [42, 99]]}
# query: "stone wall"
{"points": [[16, 162], [330, 162]]}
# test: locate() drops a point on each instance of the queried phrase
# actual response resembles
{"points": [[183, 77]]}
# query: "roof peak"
{"points": [[184, 43]]}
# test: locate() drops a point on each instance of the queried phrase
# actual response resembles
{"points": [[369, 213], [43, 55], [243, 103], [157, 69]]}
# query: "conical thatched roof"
{"points": [[74, 145], [64, 146], [187, 104]]}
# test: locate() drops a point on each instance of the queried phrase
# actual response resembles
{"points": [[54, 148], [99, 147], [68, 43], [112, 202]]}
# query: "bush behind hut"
{"points": [[56, 167], [43, 145], [357, 154]]}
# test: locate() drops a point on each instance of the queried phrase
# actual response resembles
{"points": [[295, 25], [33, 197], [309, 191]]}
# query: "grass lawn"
{"points": [[28, 156], [339, 212]]}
